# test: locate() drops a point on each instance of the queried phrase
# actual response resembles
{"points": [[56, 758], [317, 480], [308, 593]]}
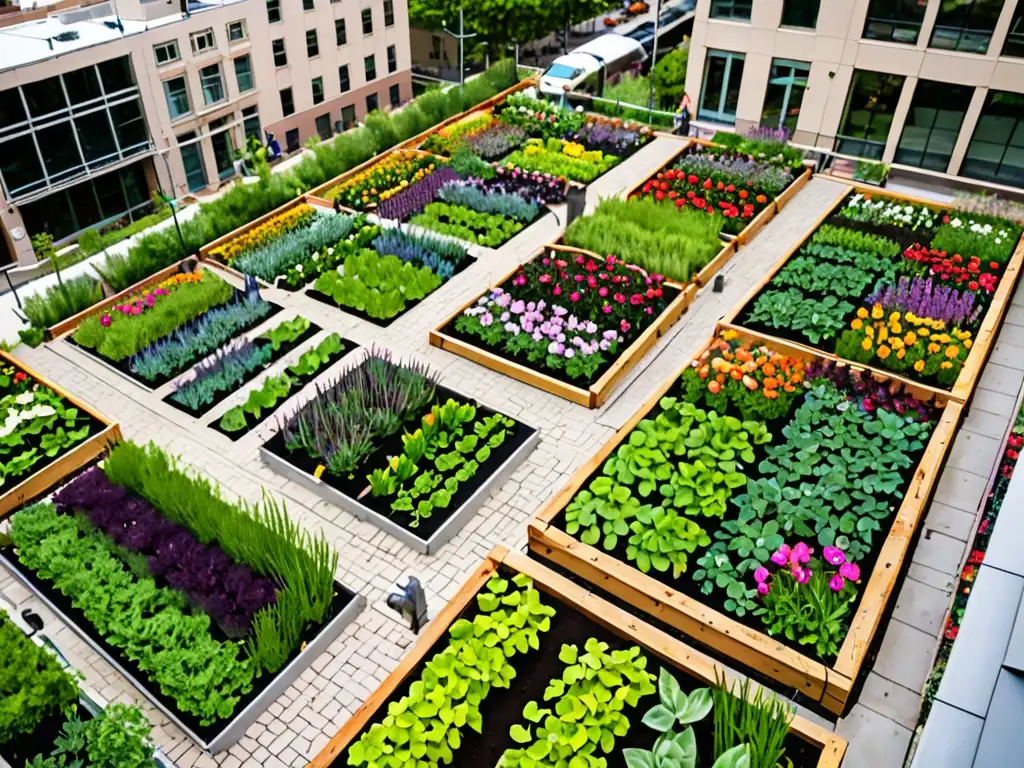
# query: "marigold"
{"points": [[968, 343], [901, 353], [896, 328], [883, 352], [894, 317], [866, 345], [946, 365], [883, 333], [919, 366], [910, 339], [857, 324], [952, 351], [896, 342], [877, 313], [862, 313], [923, 332], [933, 348]]}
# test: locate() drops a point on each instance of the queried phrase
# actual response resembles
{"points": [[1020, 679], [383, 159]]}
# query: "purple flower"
{"points": [[802, 575], [761, 575], [763, 588], [486, 319], [850, 571], [782, 556], [836, 583], [833, 555]]}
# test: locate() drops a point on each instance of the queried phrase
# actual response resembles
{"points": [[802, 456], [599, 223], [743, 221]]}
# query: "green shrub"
{"points": [[61, 301], [670, 77]]}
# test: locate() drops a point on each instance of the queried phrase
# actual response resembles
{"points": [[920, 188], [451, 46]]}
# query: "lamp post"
{"points": [[460, 37], [654, 60], [170, 202]]}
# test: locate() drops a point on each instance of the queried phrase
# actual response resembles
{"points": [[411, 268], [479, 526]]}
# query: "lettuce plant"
{"points": [[488, 229], [380, 286], [425, 725], [816, 318]]}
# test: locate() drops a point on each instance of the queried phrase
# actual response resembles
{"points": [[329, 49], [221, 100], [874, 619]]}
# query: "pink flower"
{"points": [[518, 307], [575, 296], [602, 291], [850, 570], [607, 309], [624, 326], [836, 583], [557, 290], [519, 279], [802, 575], [105, 321], [544, 279], [136, 310], [763, 588], [833, 555], [782, 556], [800, 553], [761, 575], [620, 297]]}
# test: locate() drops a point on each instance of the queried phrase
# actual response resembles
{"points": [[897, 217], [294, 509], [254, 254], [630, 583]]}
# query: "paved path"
{"points": [[297, 726]]}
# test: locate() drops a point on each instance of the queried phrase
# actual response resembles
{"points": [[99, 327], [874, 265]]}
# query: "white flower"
{"points": [[298, 268], [24, 398], [330, 251], [579, 109]]}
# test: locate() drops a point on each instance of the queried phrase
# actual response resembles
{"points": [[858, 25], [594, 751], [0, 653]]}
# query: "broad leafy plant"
{"points": [[118, 737], [816, 318]]}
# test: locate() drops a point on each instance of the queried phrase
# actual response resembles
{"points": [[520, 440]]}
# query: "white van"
{"points": [[587, 67]]}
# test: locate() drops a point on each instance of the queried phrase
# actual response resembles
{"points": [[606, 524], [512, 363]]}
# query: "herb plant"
{"points": [[117, 736], [380, 286], [758, 721]]}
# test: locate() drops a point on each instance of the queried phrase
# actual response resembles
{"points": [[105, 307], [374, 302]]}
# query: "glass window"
{"points": [[307, 5], [720, 93], [343, 78], [996, 151], [1015, 37], [273, 11], [323, 126], [312, 46], [898, 21], [867, 117], [933, 124], [291, 139], [348, 116], [339, 32], [176, 91], [731, 9], [389, 13], [800, 13], [251, 125], [966, 25], [202, 41], [243, 73], [130, 125], [371, 103], [96, 139], [370, 68], [787, 81], [82, 85], [393, 95], [44, 97], [435, 46], [192, 159], [20, 165], [116, 75], [237, 30], [392, 59], [280, 55], [213, 86], [57, 147], [367, 21], [318, 90], [287, 102], [223, 147], [166, 52]]}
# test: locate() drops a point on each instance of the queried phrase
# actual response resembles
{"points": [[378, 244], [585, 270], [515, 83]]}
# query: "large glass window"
{"points": [[223, 147], [202, 41], [738, 10], [273, 11], [243, 73], [996, 151], [800, 13], [966, 25], [343, 79], [291, 139], [870, 105], [348, 116], [393, 95], [323, 126], [280, 55], [370, 68], [75, 123], [312, 46], [787, 81], [367, 21], [237, 30], [339, 32], [720, 93], [898, 21], [933, 123], [392, 59], [287, 102], [318, 90], [307, 5], [1015, 37], [371, 103], [213, 86], [176, 91]]}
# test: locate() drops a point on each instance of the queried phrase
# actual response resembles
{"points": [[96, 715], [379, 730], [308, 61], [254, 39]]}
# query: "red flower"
{"points": [[659, 195], [691, 194], [575, 296], [620, 298], [680, 202], [20, 376], [636, 299], [699, 202], [692, 179], [973, 285], [544, 279], [744, 194], [707, 184]]}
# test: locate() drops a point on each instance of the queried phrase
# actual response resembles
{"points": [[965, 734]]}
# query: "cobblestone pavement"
{"points": [[301, 722]]}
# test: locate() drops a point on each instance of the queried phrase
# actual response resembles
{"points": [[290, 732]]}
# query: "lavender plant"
{"points": [[496, 142], [928, 300], [473, 197], [440, 255], [198, 338], [280, 255], [609, 138], [223, 373], [415, 197], [367, 402]]}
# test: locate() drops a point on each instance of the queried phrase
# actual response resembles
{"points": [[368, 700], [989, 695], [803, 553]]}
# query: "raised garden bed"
{"points": [[570, 653], [235, 365], [610, 341], [154, 336], [274, 390], [366, 186], [47, 434], [210, 633], [754, 479], [416, 460], [896, 284], [745, 191]]}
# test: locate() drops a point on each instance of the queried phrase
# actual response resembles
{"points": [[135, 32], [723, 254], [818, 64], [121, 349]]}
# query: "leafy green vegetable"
{"points": [[818, 318]]}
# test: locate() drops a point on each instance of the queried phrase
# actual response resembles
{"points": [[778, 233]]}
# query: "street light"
{"points": [[654, 60], [460, 37]]}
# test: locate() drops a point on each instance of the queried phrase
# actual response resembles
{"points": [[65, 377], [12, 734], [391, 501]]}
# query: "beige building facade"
{"points": [[927, 84], [98, 109]]}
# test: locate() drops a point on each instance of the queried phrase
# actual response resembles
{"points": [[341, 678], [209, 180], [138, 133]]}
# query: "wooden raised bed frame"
{"points": [[965, 383], [830, 686], [37, 484], [623, 624], [597, 394]]}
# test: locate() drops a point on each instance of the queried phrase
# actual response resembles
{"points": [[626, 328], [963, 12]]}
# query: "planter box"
{"points": [[597, 393], [53, 473], [522, 441], [592, 617], [66, 326], [221, 736], [829, 685], [317, 194], [984, 337]]}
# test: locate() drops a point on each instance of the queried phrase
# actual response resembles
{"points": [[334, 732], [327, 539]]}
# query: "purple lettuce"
{"points": [[415, 197], [868, 394], [926, 299], [230, 594]]}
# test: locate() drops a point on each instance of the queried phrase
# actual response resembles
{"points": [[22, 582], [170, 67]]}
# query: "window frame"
{"points": [[1018, 128], [314, 83], [340, 33], [252, 76], [244, 27], [389, 13], [346, 83], [316, 126], [844, 119], [167, 97], [788, 5], [911, 124], [274, 9], [392, 59], [718, 115], [291, 97], [308, 5], [1015, 34], [965, 29], [394, 95], [370, 68], [794, 65], [376, 102], [220, 83], [201, 34], [718, 6], [312, 44], [283, 52], [367, 17], [177, 52], [899, 20]]}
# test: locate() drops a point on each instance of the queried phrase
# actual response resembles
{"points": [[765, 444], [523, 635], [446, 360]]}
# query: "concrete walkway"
{"points": [[303, 720]]}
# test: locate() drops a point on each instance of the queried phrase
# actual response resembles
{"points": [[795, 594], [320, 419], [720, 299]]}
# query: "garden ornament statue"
{"points": [[411, 603]]}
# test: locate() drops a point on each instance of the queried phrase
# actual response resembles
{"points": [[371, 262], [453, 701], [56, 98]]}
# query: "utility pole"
{"points": [[460, 37], [654, 60], [170, 202]]}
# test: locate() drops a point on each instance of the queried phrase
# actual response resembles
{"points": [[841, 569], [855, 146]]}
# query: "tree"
{"points": [[670, 77]]}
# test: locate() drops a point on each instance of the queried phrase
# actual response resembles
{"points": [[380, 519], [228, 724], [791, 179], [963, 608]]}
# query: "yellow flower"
{"points": [[952, 351], [946, 365], [910, 339], [919, 366], [730, 335], [933, 348], [862, 313], [866, 345], [923, 332], [943, 338], [894, 317], [897, 328], [857, 324], [901, 353], [883, 333], [869, 331], [877, 312], [968, 343], [883, 352], [896, 342]]}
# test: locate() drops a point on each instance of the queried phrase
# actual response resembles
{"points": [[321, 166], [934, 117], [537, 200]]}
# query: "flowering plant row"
{"points": [[261, 234], [754, 448], [561, 158], [382, 179], [449, 138]]}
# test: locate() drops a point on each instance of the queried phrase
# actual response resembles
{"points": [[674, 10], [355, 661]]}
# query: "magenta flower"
{"points": [[624, 326], [606, 309], [782, 556], [836, 583], [519, 279], [802, 575], [800, 553], [763, 588], [575, 296], [761, 575], [850, 571], [833, 555], [105, 321], [136, 310]]}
